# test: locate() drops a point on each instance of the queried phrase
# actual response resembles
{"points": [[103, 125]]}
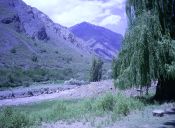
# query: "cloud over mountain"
{"points": [[106, 13]]}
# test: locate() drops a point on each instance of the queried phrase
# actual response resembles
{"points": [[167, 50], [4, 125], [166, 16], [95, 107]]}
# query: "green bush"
{"points": [[11, 119], [34, 58], [106, 103], [118, 104], [122, 108], [124, 105]]}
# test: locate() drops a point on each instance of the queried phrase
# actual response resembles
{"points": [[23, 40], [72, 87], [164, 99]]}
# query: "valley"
{"points": [[89, 72]]}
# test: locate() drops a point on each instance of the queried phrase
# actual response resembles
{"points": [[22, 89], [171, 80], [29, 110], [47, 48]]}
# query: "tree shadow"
{"points": [[170, 123], [170, 112], [145, 99]]}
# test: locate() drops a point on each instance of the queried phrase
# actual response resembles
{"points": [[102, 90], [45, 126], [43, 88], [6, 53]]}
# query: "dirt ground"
{"points": [[89, 90], [68, 92]]}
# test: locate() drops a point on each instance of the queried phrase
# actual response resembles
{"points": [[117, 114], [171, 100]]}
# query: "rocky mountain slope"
{"points": [[103, 41], [29, 40]]}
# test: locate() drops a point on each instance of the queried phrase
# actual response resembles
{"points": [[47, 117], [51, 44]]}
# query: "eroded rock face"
{"points": [[35, 24], [7, 20], [15, 21], [42, 35], [25, 19]]}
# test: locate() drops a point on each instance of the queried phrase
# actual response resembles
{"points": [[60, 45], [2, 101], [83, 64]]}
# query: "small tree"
{"points": [[96, 70]]}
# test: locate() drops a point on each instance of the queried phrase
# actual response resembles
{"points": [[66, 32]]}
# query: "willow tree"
{"points": [[148, 51]]}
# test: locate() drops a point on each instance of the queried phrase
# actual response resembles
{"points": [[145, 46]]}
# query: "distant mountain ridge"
{"points": [[104, 42]]}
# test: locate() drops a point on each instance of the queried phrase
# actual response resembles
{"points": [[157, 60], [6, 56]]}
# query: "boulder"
{"points": [[28, 94], [158, 113]]}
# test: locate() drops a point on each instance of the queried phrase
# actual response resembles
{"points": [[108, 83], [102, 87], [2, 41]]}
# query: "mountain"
{"points": [[104, 42], [33, 47]]}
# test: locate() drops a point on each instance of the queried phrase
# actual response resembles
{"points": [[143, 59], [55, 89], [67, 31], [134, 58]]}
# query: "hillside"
{"points": [[34, 48], [103, 41]]}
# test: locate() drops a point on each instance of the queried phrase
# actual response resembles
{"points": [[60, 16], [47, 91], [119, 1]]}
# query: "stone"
{"points": [[158, 113], [30, 93]]}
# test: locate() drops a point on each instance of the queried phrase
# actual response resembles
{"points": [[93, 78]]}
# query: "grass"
{"points": [[70, 110], [11, 119]]}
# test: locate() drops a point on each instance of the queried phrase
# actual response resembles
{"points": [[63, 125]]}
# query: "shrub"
{"points": [[122, 108], [56, 52], [125, 104], [68, 71], [13, 50], [43, 51], [34, 58], [11, 119], [118, 104], [106, 103]]}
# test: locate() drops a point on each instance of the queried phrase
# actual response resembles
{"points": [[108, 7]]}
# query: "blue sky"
{"points": [[106, 13]]}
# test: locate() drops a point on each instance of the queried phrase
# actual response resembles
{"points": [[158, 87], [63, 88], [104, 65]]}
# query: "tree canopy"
{"points": [[148, 51]]}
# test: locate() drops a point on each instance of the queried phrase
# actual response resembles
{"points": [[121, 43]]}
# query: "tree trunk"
{"points": [[147, 89], [165, 90]]}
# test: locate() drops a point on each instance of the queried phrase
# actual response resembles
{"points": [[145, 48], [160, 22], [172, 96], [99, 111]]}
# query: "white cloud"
{"points": [[86, 11], [110, 20], [71, 12]]}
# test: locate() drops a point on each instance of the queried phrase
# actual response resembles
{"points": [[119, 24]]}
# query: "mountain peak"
{"points": [[104, 42], [85, 23]]}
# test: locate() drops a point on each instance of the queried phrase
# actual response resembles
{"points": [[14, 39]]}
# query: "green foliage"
{"points": [[117, 105], [96, 70], [14, 77], [124, 105], [146, 50], [9, 118], [164, 10], [106, 103]]}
